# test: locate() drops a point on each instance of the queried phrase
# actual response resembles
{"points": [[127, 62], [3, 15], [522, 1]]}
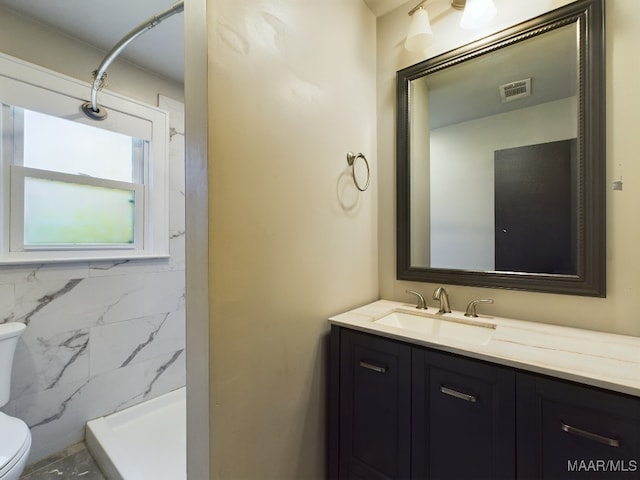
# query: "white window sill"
{"points": [[113, 256]]}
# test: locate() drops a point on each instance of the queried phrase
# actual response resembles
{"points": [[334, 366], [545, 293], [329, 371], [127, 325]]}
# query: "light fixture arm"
{"points": [[417, 7], [457, 4]]}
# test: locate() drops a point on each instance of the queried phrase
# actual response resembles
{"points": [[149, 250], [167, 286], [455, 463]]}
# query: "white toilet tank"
{"points": [[9, 334]]}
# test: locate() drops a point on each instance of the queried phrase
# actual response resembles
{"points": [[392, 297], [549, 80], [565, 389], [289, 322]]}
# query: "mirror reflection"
{"points": [[500, 159], [493, 157]]}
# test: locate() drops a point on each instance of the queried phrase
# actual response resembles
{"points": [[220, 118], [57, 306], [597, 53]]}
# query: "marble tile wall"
{"points": [[101, 336]]}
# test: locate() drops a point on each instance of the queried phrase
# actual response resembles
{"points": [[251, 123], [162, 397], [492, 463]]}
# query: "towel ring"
{"points": [[351, 160]]}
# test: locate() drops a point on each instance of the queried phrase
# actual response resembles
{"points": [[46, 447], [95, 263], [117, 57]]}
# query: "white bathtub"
{"points": [[143, 442]]}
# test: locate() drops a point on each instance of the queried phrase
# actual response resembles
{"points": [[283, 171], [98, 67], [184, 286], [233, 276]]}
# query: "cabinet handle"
{"points": [[455, 393], [371, 366], [590, 436]]}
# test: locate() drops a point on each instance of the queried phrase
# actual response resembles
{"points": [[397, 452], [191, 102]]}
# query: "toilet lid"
{"points": [[15, 434]]}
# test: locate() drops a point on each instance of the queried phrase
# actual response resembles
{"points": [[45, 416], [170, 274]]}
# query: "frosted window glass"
{"points": [[61, 213], [57, 144]]}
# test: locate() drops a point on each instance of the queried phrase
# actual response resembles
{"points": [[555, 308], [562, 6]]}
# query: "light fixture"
{"points": [[419, 30], [477, 13]]}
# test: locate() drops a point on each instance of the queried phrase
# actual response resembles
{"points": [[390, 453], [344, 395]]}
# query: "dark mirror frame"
{"points": [[588, 16]]}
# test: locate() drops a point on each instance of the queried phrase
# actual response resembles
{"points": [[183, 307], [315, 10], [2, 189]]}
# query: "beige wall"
{"points": [[34, 42], [619, 311], [291, 90]]}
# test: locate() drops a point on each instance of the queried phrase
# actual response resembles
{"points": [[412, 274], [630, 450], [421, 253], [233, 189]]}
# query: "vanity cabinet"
{"points": [[567, 431], [408, 412], [403, 411]]}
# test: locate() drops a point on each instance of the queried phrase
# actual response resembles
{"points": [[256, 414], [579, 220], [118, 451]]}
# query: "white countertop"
{"points": [[599, 359]]}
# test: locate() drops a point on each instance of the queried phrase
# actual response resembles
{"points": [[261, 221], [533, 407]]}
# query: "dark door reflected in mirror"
{"points": [[500, 156], [535, 208]]}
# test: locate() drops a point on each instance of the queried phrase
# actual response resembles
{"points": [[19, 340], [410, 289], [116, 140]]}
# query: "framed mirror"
{"points": [[501, 159]]}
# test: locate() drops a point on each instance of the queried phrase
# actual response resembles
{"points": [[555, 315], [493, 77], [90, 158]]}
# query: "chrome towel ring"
{"points": [[351, 160]]}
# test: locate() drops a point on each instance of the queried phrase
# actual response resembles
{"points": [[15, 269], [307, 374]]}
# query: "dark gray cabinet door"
{"points": [[570, 431], [375, 407], [463, 418]]}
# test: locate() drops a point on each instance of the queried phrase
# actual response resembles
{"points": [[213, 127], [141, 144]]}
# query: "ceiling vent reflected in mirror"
{"points": [[515, 90]]}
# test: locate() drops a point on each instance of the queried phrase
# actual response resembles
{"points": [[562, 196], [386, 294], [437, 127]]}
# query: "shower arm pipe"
{"points": [[99, 75]]}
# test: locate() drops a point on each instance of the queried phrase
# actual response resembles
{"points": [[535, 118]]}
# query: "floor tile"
{"points": [[73, 462]]}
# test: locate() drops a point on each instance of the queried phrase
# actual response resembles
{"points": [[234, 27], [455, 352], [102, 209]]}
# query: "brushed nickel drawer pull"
{"points": [[455, 393], [590, 436], [371, 366]]}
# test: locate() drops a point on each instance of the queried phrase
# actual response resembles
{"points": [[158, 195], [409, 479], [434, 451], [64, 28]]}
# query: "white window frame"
{"points": [[35, 88]]}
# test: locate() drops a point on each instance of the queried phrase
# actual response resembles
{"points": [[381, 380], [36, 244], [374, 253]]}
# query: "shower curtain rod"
{"points": [[92, 109]]}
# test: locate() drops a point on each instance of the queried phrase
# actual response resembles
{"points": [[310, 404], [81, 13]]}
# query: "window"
{"points": [[74, 188]]}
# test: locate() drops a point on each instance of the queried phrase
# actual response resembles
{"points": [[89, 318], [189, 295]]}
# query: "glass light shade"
{"points": [[420, 31], [477, 13]]}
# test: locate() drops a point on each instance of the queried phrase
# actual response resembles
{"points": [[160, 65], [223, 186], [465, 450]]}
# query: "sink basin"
{"points": [[437, 326]]}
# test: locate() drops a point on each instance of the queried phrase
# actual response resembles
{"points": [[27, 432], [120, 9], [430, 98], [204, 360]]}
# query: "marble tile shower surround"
{"points": [[101, 336]]}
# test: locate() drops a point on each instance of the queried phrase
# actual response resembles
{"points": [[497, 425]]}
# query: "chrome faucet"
{"points": [[441, 294], [422, 305], [471, 308]]}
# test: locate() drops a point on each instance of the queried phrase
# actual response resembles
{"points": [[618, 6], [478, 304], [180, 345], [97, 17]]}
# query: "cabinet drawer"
{"points": [[572, 431]]}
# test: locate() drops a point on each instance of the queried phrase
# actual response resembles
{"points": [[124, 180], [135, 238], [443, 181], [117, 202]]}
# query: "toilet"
{"points": [[15, 439]]}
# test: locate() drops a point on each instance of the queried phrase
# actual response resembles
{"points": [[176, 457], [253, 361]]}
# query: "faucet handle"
{"points": [[422, 304], [471, 308]]}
